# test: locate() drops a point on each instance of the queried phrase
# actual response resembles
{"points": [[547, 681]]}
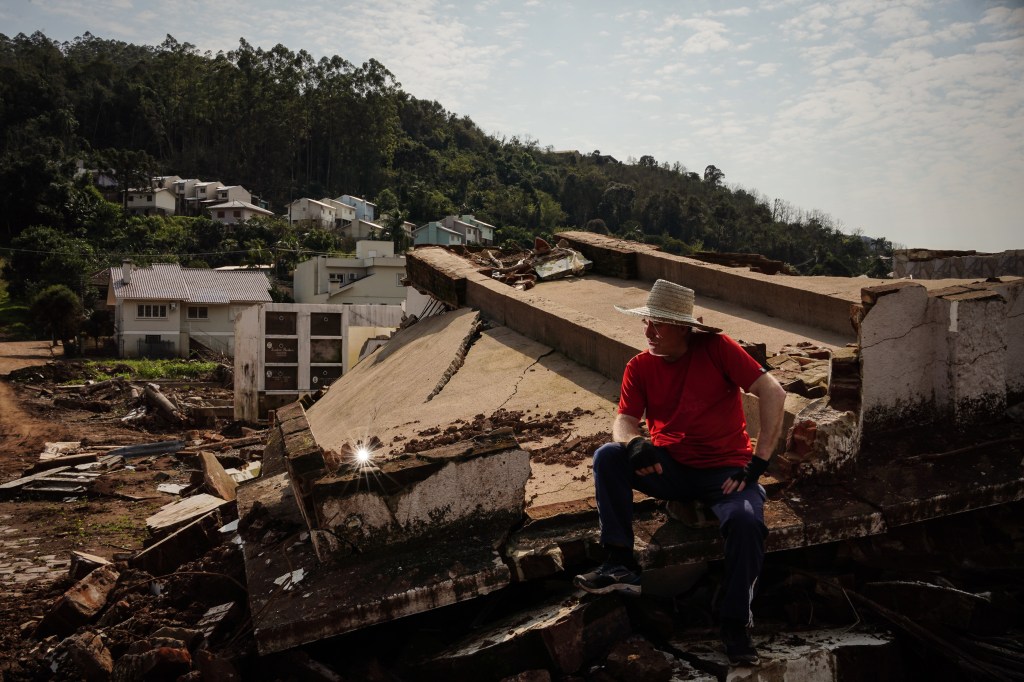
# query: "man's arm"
{"points": [[625, 429], [771, 401]]}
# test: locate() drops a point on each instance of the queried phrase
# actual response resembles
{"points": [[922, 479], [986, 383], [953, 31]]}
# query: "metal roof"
{"points": [[171, 282]]}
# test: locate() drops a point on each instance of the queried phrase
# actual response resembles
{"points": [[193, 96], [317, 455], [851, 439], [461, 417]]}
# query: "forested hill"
{"points": [[286, 125]]}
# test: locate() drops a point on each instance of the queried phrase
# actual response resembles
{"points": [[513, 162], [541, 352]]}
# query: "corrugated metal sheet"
{"points": [[171, 282]]}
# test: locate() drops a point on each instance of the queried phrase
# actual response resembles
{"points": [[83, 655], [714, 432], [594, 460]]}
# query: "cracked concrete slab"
{"points": [[500, 370], [813, 656]]}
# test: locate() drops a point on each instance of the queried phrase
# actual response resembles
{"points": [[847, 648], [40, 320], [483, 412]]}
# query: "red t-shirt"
{"points": [[693, 406]]}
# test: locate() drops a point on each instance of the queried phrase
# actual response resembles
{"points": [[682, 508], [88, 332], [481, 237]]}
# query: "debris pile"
{"points": [[140, 404], [522, 270], [206, 461]]}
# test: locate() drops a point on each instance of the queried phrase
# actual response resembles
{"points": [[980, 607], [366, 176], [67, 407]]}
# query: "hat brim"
{"points": [[667, 317]]}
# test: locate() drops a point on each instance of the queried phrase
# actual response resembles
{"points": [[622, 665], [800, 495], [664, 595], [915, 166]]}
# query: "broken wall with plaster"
{"points": [[950, 355]]}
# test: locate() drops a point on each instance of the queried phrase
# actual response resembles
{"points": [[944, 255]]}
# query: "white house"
{"points": [[203, 194], [312, 213], [150, 201], [165, 310], [227, 193], [374, 276], [232, 212]]}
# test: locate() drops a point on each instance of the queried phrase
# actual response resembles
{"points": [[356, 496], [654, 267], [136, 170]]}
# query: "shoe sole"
{"points": [[625, 588]]}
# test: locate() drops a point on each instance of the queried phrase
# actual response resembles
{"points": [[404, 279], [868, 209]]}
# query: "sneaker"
{"points": [[738, 647], [609, 578]]}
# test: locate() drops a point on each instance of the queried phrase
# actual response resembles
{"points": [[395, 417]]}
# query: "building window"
{"points": [[198, 312], [335, 277], [152, 310], [352, 276], [398, 279], [149, 198], [220, 214], [238, 214], [153, 338]]}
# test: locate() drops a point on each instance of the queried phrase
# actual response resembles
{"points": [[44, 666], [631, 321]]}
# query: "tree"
{"points": [[97, 324], [713, 176], [58, 312], [42, 256]]}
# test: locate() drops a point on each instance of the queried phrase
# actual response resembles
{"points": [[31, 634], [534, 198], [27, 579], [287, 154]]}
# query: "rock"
{"points": [[158, 664], [80, 603], [636, 660], [91, 656]]}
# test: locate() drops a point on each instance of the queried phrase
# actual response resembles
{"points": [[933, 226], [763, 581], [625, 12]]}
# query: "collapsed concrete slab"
{"points": [[420, 534], [818, 656], [419, 496], [331, 547], [561, 636]]}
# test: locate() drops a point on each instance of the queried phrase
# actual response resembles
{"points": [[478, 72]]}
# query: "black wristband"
{"points": [[755, 468]]}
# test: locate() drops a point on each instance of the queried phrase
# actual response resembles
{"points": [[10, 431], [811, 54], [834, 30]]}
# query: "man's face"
{"points": [[666, 340]]}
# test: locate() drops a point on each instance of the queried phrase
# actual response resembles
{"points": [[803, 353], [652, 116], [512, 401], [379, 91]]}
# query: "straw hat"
{"points": [[669, 303]]}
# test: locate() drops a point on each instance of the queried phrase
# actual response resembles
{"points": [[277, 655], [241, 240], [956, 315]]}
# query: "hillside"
{"points": [[285, 125]]}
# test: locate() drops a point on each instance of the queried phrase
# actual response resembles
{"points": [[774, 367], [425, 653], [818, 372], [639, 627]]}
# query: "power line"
{"points": [[171, 255]]}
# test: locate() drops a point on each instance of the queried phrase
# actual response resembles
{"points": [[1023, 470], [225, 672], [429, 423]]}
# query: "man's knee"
{"points": [[745, 522], [608, 456]]}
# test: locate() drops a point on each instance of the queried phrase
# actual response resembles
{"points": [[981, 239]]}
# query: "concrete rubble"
{"points": [[428, 528], [334, 522]]}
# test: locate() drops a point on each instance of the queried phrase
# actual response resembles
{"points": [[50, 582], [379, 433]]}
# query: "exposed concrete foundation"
{"points": [[480, 484]]}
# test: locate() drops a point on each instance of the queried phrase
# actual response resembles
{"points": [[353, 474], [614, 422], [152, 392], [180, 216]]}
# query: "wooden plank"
{"points": [[19, 482]]}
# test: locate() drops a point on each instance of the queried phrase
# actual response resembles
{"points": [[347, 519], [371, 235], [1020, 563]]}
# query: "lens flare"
{"points": [[363, 454]]}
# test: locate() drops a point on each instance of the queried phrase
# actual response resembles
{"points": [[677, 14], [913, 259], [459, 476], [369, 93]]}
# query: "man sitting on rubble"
{"points": [[687, 387]]}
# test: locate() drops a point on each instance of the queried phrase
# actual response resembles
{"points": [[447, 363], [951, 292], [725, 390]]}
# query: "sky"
{"points": [[901, 119]]}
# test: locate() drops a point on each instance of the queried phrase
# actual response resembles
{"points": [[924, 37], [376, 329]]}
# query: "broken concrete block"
{"points": [[216, 481], [175, 515], [82, 564], [181, 546], [187, 636], [90, 655], [529, 676], [636, 660], [217, 619], [480, 483], [213, 667], [80, 603], [822, 440], [826, 655], [556, 636], [146, 660]]}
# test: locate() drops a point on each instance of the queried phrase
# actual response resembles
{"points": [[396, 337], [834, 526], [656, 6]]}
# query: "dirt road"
{"points": [[22, 433]]}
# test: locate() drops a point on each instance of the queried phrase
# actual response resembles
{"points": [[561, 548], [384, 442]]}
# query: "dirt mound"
{"points": [[527, 429], [60, 372]]}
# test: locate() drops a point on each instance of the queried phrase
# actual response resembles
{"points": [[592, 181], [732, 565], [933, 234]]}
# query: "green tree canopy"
{"points": [[57, 312]]}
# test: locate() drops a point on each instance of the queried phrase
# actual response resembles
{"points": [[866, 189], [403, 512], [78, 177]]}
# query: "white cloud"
{"points": [[899, 21]]}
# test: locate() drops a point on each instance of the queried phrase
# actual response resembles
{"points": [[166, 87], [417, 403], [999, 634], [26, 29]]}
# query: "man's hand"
{"points": [[746, 477], [643, 456]]}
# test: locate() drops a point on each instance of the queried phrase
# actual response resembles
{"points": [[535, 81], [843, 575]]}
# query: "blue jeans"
{"points": [[740, 514]]}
